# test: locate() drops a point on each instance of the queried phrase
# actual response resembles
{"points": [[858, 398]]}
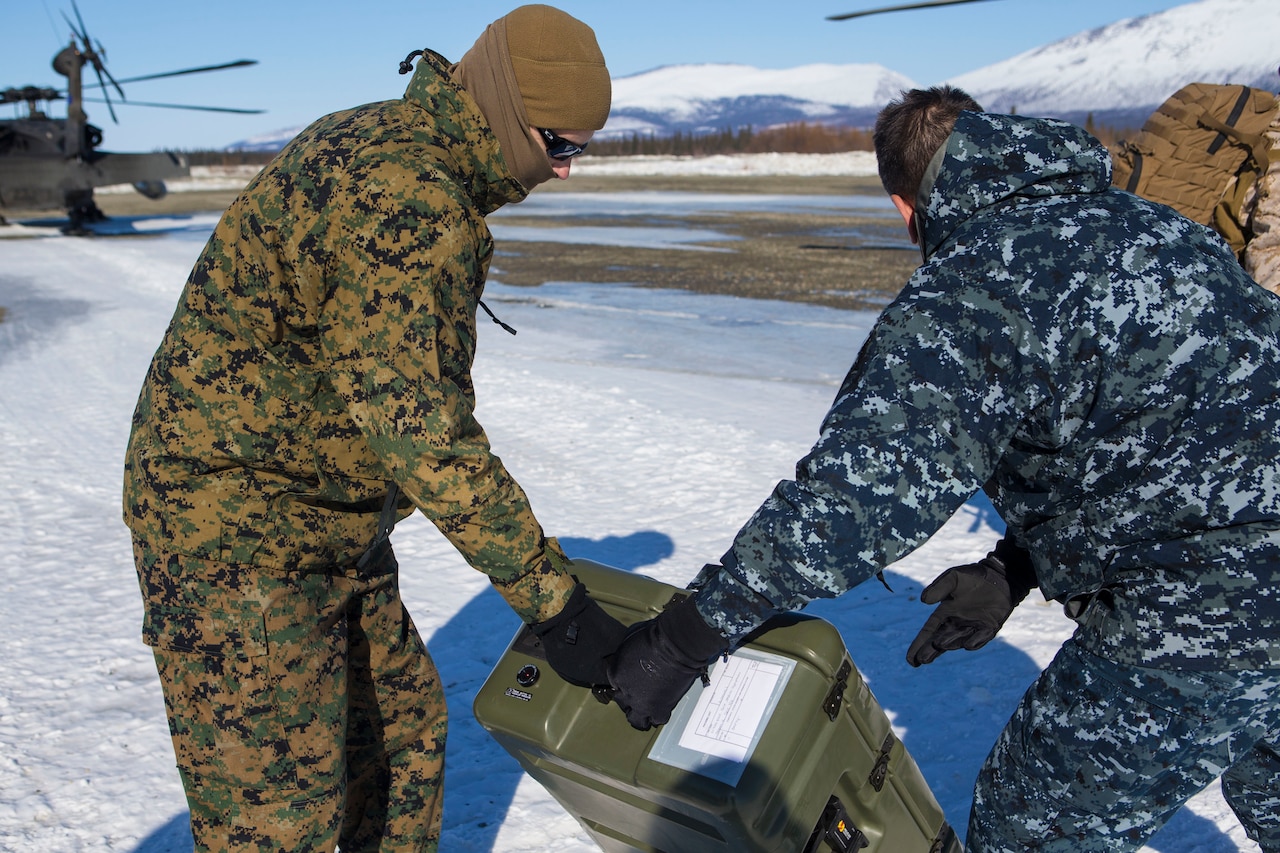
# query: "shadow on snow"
{"points": [[949, 713]]}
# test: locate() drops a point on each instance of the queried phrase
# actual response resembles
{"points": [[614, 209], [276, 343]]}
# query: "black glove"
{"points": [[658, 662], [975, 602], [579, 638]]}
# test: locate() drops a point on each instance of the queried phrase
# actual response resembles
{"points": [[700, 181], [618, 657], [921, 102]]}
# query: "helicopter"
{"points": [[51, 163]]}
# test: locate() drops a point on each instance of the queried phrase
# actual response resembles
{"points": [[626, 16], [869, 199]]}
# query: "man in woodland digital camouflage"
{"points": [[313, 386], [1108, 373]]}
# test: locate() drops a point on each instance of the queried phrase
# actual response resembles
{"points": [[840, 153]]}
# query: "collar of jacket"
{"points": [[464, 133], [993, 160]]}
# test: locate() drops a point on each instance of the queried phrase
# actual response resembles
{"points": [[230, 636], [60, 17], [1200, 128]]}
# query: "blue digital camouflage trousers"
{"points": [[1098, 756], [304, 708]]}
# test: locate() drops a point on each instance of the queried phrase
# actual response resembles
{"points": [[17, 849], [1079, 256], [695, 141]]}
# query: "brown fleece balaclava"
{"points": [[539, 67]]}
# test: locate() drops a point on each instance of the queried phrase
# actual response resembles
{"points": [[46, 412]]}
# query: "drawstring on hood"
{"points": [[494, 317], [457, 125], [406, 65]]}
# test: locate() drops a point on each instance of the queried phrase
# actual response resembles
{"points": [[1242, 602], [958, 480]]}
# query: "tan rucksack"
{"points": [[1200, 152]]}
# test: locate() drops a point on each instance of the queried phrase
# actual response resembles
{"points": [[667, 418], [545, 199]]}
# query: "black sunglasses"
{"points": [[559, 148]]}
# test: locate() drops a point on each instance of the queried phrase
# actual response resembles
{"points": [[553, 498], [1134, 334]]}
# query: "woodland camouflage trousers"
{"points": [[1099, 755], [304, 708]]}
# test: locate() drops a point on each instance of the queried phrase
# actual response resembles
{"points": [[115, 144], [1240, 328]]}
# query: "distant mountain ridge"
{"points": [[711, 97], [1115, 74], [1121, 72], [271, 141]]}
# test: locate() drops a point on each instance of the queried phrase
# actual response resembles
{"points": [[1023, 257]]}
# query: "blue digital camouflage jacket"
{"points": [[1101, 364]]}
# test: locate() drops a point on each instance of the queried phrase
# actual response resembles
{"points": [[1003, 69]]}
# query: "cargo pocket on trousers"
{"points": [[220, 698]]}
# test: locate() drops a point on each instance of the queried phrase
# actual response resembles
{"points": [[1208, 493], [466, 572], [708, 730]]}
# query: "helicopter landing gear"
{"points": [[81, 210]]}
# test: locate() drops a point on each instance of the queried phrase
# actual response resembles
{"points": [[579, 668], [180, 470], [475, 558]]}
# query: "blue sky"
{"points": [[321, 56]]}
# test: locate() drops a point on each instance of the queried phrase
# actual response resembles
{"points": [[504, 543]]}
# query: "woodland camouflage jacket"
{"points": [[322, 347], [1102, 365]]}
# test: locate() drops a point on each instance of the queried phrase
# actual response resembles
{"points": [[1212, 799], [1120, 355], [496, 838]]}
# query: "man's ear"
{"points": [[908, 211]]}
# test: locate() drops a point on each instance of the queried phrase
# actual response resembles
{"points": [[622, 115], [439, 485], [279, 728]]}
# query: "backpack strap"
{"points": [[1259, 147], [1135, 176], [1232, 118]]}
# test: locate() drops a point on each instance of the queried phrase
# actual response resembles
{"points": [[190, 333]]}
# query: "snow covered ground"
{"points": [[646, 425], [846, 163]]}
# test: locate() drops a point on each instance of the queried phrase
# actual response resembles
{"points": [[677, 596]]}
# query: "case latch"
{"points": [[881, 768], [836, 694]]}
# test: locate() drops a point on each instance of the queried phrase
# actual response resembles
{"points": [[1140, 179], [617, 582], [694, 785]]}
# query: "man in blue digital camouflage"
{"points": [[312, 387], [1105, 370]]}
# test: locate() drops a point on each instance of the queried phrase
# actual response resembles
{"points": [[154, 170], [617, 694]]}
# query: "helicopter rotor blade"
{"points": [[84, 31], [97, 67], [100, 64], [96, 55], [900, 8], [72, 25], [53, 25], [182, 107], [239, 63]]}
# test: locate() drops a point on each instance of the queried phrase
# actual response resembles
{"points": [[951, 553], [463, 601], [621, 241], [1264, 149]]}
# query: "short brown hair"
{"points": [[911, 129]]}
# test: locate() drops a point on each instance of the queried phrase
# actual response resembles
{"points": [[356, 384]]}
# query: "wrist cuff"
{"points": [[690, 633], [539, 593], [731, 607], [1015, 561]]}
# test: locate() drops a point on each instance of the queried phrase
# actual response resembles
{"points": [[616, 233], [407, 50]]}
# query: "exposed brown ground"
{"points": [[790, 256]]}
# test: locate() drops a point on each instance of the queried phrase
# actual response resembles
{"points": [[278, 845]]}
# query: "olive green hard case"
{"points": [[789, 751]]}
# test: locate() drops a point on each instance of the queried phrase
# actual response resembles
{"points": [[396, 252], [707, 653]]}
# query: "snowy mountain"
{"points": [[1120, 72], [272, 141], [712, 97], [1117, 73]]}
